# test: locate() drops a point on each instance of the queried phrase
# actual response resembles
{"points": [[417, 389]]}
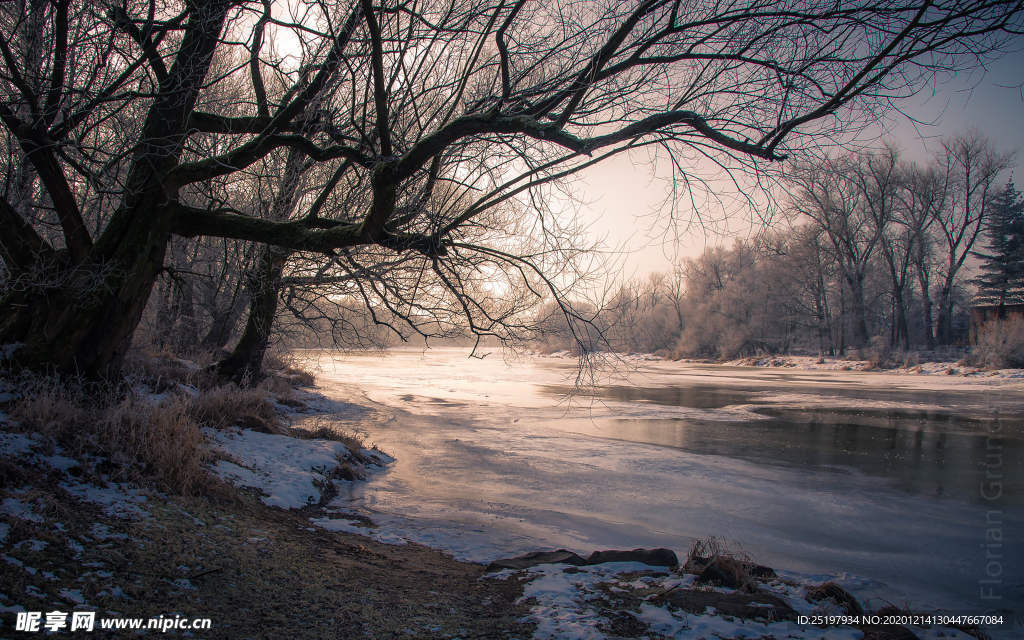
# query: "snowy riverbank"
{"points": [[945, 368], [950, 368], [480, 472]]}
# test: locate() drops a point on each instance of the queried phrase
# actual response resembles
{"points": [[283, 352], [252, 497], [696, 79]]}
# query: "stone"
{"points": [[758, 606], [561, 556], [761, 571], [843, 598], [718, 574], [650, 557], [697, 564]]}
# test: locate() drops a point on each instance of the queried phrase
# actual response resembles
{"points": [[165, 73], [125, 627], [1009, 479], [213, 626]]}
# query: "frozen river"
{"points": [[874, 478]]}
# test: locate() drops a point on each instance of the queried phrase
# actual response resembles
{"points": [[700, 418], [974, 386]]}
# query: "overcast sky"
{"points": [[619, 195]]}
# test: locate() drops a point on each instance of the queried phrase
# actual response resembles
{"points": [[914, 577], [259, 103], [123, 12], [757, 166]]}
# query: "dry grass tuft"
{"points": [[702, 551], [289, 368], [231, 406], [10, 473], [728, 557], [322, 428], [129, 436], [163, 370], [1000, 345], [132, 437]]}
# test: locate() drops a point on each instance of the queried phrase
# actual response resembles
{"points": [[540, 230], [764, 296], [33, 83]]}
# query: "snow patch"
{"points": [[349, 526], [74, 596], [14, 444], [562, 609], [20, 510], [117, 500], [289, 471]]}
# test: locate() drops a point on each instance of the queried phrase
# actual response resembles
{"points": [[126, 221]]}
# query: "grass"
{"points": [[231, 406], [350, 465], [729, 557], [141, 438], [1000, 345], [130, 437]]}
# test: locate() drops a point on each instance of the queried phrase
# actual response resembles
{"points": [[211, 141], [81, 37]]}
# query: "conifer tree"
{"points": [[1002, 279]]}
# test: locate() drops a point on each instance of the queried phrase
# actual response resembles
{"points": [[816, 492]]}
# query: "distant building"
{"points": [[984, 313]]}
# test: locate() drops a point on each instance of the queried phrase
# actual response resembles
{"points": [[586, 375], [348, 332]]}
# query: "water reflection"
{"points": [[695, 397], [937, 453]]}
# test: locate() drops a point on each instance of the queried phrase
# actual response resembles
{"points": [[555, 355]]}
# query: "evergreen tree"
{"points": [[1002, 279]]}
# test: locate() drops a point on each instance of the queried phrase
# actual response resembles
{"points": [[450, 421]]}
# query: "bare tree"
{"points": [[972, 165], [879, 179], [828, 195], [803, 273], [128, 141], [923, 198]]}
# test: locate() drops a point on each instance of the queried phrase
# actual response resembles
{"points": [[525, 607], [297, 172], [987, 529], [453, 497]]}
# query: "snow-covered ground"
{"points": [[843, 364], [116, 499], [564, 606], [824, 363], [289, 472]]}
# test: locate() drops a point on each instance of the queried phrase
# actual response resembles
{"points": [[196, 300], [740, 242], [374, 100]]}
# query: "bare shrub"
{"points": [[877, 354], [911, 360], [1000, 345]]}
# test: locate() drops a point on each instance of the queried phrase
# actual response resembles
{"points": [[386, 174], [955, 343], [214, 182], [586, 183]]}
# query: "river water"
{"points": [[876, 480]]}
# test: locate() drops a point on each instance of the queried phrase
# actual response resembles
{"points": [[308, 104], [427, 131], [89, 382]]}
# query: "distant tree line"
{"points": [[874, 250]]}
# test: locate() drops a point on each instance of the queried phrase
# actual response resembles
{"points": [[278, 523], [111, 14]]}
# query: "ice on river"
{"points": [[874, 478]]}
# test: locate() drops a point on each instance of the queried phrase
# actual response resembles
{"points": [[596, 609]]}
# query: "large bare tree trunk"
{"points": [[860, 324], [79, 312], [944, 321], [85, 323], [246, 360]]}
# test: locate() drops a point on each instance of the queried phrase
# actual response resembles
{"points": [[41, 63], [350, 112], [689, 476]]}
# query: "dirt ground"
{"points": [[255, 571]]}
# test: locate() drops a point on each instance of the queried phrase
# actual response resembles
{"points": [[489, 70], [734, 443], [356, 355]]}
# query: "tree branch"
{"points": [[297, 235], [252, 151], [262, 107], [60, 59], [20, 245], [40, 154], [380, 94], [156, 63]]}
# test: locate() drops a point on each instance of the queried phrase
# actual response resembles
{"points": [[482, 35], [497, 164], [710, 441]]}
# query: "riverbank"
{"points": [[911, 366], [283, 555], [244, 558], [256, 571], [253, 571], [908, 364]]}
